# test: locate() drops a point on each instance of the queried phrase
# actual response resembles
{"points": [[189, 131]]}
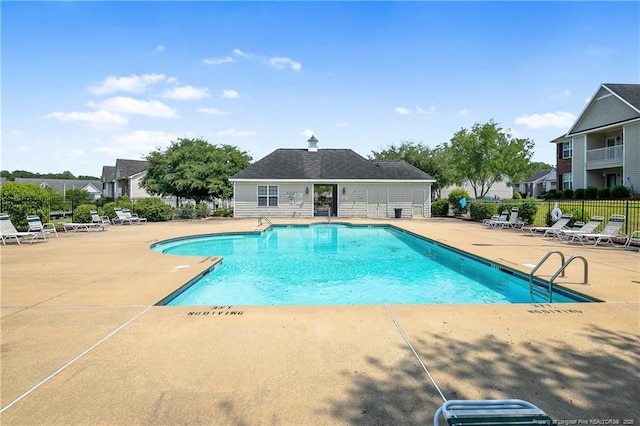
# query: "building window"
{"points": [[567, 181], [567, 149], [267, 195]]}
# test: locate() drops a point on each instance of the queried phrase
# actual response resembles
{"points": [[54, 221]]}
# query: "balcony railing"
{"points": [[612, 153]]}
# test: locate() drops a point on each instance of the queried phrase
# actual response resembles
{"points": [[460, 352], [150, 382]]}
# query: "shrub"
{"points": [[202, 210], [619, 192], [229, 213], [516, 196], [479, 211], [22, 199], [590, 193], [567, 194], [576, 212], [439, 208], [82, 213], [604, 193], [528, 211], [455, 196], [578, 194], [186, 211], [154, 209]]}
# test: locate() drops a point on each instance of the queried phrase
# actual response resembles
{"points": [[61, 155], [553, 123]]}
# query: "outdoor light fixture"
{"points": [[306, 191], [344, 190]]}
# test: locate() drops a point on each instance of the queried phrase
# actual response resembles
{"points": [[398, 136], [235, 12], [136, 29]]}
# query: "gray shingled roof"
{"points": [[128, 168], [628, 92], [108, 173], [328, 164], [61, 185]]}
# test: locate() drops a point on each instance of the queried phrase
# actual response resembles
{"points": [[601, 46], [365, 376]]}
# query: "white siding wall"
{"points": [[246, 201], [578, 162], [631, 166], [498, 189], [358, 200], [137, 191]]}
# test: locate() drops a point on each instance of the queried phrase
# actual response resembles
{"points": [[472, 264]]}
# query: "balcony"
{"points": [[604, 157]]}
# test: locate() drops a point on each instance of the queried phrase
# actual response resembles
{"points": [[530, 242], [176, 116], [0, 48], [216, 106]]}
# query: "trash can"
{"points": [[398, 213]]}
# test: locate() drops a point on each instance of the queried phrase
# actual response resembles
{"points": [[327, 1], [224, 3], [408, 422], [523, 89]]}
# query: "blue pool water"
{"points": [[341, 265]]}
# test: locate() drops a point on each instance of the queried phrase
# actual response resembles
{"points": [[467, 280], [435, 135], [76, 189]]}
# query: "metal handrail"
{"points": [[546, 256], [265, 218], [561, 271]]}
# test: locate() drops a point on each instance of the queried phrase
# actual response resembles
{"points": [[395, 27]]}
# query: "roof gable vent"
{"points": [[313, 144]]}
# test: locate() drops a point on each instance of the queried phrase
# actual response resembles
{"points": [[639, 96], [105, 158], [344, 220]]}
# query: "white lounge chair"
{"points": [[496, 218], [491, 412], [96, 218], [587, 228], [36, 225], [8, 231], [121, 218], [560, 224], [610, 231], [133, 217], [79, 226], [513, 221], [633, 241]]}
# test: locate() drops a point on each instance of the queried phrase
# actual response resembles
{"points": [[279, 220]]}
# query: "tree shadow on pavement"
{"points": [[590, 378]]}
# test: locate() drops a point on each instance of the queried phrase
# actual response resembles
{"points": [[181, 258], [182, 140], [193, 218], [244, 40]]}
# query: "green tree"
{"points": [[486, 154], [194, 169], [433, 161], [77, 196]]}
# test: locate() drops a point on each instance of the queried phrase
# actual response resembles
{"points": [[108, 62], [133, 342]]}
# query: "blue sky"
{"points": [[85, 83]]}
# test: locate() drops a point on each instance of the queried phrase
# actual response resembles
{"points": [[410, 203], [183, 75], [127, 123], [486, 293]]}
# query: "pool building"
{"points": [[330, 182]]}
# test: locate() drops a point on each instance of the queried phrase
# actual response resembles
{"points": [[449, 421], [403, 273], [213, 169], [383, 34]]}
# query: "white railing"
{"points": [[600, 154]]}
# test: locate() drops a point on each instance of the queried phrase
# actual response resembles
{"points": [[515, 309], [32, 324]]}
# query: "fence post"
{"points": [[626, 215]]}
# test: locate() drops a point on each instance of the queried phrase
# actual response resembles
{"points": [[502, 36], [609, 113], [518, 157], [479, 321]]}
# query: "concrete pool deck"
{"points": [[83, 343]]}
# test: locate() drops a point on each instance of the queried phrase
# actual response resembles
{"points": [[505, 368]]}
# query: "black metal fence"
{"points": [[582, 210]]}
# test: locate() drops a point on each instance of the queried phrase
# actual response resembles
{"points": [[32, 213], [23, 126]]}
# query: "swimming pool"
{"points": [[340, 264]]}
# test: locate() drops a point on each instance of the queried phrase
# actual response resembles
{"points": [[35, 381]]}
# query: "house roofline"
{"points": [[335, 180], [608, 126]]}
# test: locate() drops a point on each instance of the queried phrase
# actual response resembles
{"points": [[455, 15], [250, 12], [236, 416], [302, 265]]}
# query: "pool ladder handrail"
{"points": [[560, 271], [265, 218]]}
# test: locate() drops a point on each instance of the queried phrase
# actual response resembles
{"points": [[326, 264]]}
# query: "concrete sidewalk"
{"points": [[83, 343]]}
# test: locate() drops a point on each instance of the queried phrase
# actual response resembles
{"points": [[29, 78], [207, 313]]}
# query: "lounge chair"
{"points": [[8, 231], [607, 235], [133, 217], [587, 228], [513, 222], [96, 218], [79, 226], [491, 412], [496, 218], [560, 224], [121, 218], [633, 240], [36, 225]]}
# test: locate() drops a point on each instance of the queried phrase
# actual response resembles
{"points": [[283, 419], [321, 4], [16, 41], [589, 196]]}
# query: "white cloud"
{"points": [[126, 105], [463, 112], [24, 148], [218, 61], [186, 93], [428, 111], [133, 83], [282, 63], [136, 144], [212, 111], [76, 153], [236, 133], [241, 53], [559, 119], [100, 119], [159, 48], [230, 94], [402, 111], [307, 133]]}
